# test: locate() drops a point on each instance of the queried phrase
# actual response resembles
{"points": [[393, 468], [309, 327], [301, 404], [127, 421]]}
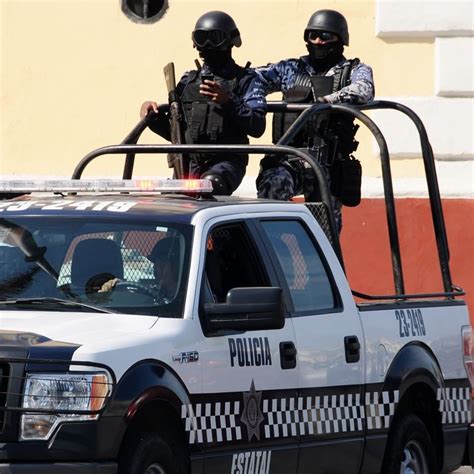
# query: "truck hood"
{"points": [[78, 328]]}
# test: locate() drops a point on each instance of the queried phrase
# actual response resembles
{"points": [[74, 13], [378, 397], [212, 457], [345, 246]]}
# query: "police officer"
{"points": [[222, 103], [324, 76], [164, 257]]}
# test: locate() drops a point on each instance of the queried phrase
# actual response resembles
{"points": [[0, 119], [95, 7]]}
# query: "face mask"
{"points": [[215, 58], [329, 52]]}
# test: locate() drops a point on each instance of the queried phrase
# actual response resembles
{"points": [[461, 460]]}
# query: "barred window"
{"points": [[301, 264]]}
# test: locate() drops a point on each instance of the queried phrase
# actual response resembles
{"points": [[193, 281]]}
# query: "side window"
{"points": [[231, 262], [304, 272]]}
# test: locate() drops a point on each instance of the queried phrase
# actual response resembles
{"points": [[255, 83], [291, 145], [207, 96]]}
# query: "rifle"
{"points": [[177, 161]]}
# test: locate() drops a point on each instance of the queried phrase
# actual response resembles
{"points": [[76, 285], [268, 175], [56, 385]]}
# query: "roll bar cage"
{"points": [[130, 148]]}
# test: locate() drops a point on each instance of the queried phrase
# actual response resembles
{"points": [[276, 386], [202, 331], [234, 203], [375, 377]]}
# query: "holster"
{"points": [[346, 181]]}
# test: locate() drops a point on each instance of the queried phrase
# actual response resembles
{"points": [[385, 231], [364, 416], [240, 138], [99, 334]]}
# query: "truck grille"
{"points": [[4, 372]]}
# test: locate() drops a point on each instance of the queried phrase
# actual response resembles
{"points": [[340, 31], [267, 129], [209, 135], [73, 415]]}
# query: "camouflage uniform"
{"points": [[287, 180]]}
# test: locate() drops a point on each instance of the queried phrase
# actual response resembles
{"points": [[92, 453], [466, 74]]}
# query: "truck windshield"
{"points": [[110, 264]]}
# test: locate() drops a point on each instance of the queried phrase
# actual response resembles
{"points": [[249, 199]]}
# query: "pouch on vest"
{"points": [[322, 85], [197, 123], [282, 121], [298, 94], [215, 123], [346, 181]]}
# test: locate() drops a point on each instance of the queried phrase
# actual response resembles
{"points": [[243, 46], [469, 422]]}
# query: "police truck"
{"points": [[149, 327]]}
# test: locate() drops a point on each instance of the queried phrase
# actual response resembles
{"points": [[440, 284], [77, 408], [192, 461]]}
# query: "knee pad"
{"points": [[276, 183], [219, 184]]}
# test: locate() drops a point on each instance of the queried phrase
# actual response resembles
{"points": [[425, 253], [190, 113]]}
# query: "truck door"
{"points": [[330, 411], [249, 379]]}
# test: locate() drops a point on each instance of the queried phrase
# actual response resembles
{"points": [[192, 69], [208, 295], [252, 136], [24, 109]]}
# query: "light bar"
{"points": [[107, 185]]}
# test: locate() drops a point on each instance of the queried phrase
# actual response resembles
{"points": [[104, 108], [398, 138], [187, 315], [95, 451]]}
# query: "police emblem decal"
{"points": [[252, 416]]}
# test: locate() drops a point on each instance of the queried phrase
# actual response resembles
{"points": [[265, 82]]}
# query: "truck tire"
{"points": [[409, 448], [152, 453]]}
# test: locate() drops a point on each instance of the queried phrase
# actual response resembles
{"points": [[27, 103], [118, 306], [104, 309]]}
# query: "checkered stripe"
{"points": [[454, 405], [380, 408], [316, 415], [295, 416], [212, 422]]}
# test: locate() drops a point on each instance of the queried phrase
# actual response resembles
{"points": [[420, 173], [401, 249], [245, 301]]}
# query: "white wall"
{"points": [[448, 113]]}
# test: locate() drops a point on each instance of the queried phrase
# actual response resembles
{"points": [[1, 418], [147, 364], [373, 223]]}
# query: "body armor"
{"points": [[329, 136], [207, 122], [332, 132]]}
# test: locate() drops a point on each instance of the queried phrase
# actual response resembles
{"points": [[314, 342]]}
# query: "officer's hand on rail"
{"points": [[214, 91], [321, 100], [147, 107]]}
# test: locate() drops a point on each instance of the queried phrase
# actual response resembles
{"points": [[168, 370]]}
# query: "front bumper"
{"points": [[74, 443], [59, 468]]}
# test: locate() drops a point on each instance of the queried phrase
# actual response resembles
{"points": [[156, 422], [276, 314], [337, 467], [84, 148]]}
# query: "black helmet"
{"points": [[328, 20], [216, 30]]}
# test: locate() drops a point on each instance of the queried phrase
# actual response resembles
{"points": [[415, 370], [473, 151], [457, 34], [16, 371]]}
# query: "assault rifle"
{"points": [[176, 161]]}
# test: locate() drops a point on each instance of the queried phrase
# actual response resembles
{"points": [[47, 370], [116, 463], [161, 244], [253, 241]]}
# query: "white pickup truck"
{"points": [[150, 333]]}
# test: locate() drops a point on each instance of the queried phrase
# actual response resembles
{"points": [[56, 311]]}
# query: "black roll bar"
{"points": [[310, 111], [130, 151], [432, 183], [130, 148], [132, 138]]}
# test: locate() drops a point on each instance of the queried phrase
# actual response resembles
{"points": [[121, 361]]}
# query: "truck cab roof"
{"points": [[177, 207]]}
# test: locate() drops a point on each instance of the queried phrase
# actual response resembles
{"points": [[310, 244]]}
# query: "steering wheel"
{"points": [[133, 287]]}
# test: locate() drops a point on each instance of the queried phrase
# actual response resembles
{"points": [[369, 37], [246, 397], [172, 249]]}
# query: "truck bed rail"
{"points": [[129, 148]]}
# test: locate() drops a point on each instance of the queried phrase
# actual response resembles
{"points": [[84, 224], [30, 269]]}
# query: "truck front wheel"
{"points": [[151, 453], [409, 448]]}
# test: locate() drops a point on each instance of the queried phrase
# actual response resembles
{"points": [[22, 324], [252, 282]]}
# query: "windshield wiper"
{"points": [[49, 300]]}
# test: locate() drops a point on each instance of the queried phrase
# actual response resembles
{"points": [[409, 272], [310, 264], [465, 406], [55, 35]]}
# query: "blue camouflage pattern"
{"points": [[279, 182], [281, 77]]}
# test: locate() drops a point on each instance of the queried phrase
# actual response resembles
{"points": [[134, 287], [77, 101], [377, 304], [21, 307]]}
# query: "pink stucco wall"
{"points": [[366, 248]]}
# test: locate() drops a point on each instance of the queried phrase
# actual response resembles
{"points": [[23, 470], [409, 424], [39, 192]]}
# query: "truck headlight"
{"points": [[52, 399]]}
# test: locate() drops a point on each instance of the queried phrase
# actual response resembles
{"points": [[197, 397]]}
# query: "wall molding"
{"points": [[423, 18]]}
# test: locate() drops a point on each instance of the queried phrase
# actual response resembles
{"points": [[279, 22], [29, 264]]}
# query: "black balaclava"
{"points": [[216, 59], [325, 56]]}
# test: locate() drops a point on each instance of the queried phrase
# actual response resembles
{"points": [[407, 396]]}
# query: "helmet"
{"points": [[216, 30], [328, 20]]}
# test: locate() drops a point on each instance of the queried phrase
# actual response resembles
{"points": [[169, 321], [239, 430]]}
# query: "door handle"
{"points": [[288, 355], [352, 346]]}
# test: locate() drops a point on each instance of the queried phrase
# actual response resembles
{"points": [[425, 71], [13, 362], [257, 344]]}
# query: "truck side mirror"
{"points": [[247, 309]]}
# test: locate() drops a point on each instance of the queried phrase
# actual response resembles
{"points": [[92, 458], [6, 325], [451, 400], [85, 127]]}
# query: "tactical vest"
{"points": [[207, 122], [331, 130]]}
